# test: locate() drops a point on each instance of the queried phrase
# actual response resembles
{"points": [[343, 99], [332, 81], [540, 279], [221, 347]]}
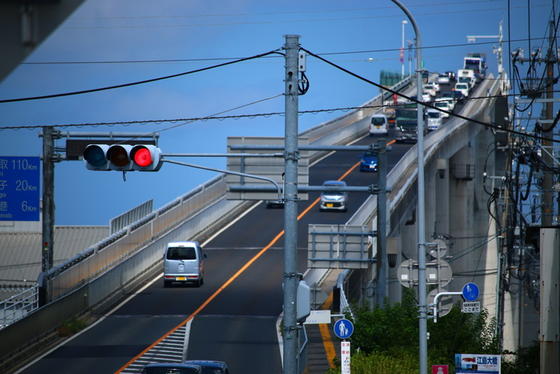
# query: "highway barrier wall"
{"points": [[401, 180]]}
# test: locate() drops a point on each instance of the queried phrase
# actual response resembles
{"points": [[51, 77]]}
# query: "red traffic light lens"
{"points": [[143, 157]]}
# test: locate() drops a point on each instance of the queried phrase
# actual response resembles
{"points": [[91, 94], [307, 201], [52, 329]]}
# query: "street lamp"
{"points": [[423, 318], [404, 22]]}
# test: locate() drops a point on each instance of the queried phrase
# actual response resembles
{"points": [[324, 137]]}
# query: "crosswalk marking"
{"points": [[169, 349]]}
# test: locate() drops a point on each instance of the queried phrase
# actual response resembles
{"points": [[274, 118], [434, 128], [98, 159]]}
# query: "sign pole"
{"points": [[345, 357]]}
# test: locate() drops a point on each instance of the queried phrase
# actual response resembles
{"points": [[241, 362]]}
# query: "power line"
{"points": [[238, 58], [217, 116], [138, 82], [305, 20], [485, 124], [285, 12]]}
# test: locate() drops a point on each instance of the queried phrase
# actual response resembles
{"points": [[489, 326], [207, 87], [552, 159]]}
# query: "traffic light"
{"points": [[122, 157]]}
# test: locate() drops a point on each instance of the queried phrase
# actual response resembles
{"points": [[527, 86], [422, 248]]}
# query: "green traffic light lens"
{"points": [[95, 156]]}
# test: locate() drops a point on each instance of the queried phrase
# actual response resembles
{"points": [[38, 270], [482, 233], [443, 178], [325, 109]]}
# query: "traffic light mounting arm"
{"points": [[278, 188]]}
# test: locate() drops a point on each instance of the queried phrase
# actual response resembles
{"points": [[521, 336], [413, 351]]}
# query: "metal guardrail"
{"points": [[117, 247], [303, 343], [344, 304], [16, 307], [402, 176]]}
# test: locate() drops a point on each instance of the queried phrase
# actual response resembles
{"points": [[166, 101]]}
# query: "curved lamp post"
{"points": [[423, 340]]}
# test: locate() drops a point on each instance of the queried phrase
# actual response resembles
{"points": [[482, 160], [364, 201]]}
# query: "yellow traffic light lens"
{"points": [[118, 156]]}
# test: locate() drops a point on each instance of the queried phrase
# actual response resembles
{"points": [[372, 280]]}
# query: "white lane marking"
{"points": [[101, 319], [187, 337], [230, 224]]}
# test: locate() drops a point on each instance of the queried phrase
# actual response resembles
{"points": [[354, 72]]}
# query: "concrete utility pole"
{"points": [[48, 199], [423, 321], [549, 343], [382, 260], [47, 211], [291, 278], [551, 59]]}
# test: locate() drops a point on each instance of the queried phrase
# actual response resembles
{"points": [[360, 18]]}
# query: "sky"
{"points": [[105, 43]]}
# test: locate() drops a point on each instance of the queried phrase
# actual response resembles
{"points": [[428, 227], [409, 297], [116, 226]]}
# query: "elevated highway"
{"points": [[234, 316]]}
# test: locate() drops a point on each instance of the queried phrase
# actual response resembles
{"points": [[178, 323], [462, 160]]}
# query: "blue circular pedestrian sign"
{"points": [[343, 328], [470, 291]]}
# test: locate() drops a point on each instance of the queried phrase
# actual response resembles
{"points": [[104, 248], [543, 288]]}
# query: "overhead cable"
{"points": [[138, 82], [485, 124]]}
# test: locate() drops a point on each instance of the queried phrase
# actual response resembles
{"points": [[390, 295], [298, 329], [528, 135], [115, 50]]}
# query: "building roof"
{"points": [[20, 253]]}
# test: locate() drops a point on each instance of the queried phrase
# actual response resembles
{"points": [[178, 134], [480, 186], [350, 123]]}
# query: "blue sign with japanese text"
{"points": [[477, 364], [19, 188]]}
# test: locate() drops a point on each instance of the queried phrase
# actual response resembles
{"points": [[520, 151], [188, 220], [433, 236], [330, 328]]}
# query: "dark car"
{"points": [[459, 97], [272, 204], [173, 368], [209, 366], [368, 162]]}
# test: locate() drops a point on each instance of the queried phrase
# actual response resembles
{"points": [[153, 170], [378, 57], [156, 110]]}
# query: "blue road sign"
{"points": [[343, 328], [470, 291], [19, 188]]}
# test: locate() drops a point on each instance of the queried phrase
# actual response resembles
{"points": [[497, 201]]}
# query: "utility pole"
{"points": [[47, 211], [551, 59], [291, 155], [549, 345], [548, 342], [381, 258]]}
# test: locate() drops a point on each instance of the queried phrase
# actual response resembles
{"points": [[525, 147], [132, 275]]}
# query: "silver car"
{"points": [[183, 262], [334, 200]]}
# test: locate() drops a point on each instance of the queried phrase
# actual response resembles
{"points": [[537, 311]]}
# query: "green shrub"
{"points": [[381, 363]]}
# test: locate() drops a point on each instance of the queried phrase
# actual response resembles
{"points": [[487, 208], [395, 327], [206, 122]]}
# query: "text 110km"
{"points": [[19, 163], [19, 188]]}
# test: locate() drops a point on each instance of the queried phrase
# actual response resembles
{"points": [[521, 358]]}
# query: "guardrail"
{"points": [[117, 247], [16, 307], [402, 176]]}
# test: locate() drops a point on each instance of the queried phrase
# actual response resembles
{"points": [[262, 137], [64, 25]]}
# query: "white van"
{"points": [[183, 262], [379, 125], [434, 119]]}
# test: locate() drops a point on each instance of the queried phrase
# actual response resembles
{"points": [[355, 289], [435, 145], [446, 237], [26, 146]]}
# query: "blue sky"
{"points": [[129, 31]]}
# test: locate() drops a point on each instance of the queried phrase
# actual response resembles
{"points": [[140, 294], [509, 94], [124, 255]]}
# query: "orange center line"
{"points": [[233, 277]]}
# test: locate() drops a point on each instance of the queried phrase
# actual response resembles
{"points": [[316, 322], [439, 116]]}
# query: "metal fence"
{"points": [[17, 306], [126, 242]]}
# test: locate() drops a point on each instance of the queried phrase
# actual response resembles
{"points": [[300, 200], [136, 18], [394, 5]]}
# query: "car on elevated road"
{"points": [[334, 200], [210, 366], [172, 368], [369, 162]]}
